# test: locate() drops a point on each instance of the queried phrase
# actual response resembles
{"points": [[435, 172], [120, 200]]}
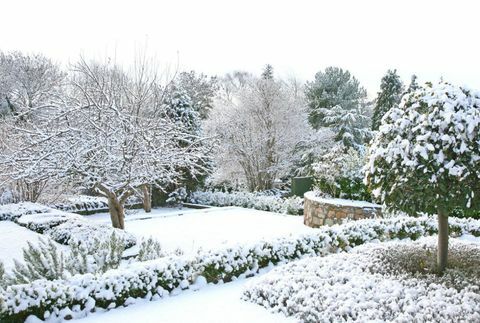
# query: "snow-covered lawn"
{"points": [[212, 304], [12, 239], [190, 229]]}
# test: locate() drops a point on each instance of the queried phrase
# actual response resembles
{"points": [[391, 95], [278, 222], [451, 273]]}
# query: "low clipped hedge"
{"points": [[80, 294], [58, 225]]}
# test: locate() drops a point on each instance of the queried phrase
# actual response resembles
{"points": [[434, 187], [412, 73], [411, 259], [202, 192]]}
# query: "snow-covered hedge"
{"points": [[377, 283], [258, 201], [58, 225], [83, 230], [85, 205], [11, 212], [154, 278]]}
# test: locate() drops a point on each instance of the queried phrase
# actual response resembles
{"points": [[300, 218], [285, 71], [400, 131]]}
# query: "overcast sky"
{"points": [[299, 38]]}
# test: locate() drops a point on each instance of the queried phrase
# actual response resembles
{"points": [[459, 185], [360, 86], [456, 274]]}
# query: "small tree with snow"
{"points": [[425, 156]]}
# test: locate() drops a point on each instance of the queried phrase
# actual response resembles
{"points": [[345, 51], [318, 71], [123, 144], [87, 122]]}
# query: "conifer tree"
{"points": [[389, 96]]}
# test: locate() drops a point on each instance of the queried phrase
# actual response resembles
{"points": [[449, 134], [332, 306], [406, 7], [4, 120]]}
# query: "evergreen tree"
{"points": [[334, 87], [413, 84], [337, 101], [267, 73], [424, 158], [389, 96]]}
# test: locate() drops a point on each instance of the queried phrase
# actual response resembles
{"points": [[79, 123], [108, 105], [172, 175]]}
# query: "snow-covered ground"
{"points": [[212, 228], [13, 239], [211, 304]]}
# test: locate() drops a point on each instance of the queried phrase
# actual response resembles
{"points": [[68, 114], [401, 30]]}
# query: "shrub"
{"points": [[269, 202], [150, 249], [81, 293], [42, 261], [377, 282]]}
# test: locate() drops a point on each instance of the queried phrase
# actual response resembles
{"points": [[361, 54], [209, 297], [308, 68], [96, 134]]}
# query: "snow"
{"points": [[213, 228], [377, 282], [138, 214], [340, 202], [13, 239], [214, 303]]}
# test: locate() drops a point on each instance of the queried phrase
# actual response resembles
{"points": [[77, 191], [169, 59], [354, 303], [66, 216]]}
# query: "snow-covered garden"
{"points": [[129, 193]]}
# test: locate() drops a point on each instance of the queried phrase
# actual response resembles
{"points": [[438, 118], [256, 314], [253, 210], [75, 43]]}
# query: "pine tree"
{"points": [[267, 73], [413, 84], [389, 96], [334, 87]]}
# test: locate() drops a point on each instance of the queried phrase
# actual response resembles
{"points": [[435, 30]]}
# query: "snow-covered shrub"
{"points": [[149, 249], [81, 293], [95, 256], [273, 203], [82, 203], [376, 282], [339, 173], [85, 204], [87, 232], [42, 261], [42, 222], [11, 212], [178, 196]]}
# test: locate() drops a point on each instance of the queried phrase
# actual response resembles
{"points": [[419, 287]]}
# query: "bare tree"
{"points": [[28, 84], [107, 136], [258, 121]]}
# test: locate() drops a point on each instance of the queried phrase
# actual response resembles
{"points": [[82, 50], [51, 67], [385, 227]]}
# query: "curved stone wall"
{"points": [[319, 211]]}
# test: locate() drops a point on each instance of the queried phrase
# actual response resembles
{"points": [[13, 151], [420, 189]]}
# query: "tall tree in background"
{"points": [[334, 87], [258, 122], [391, 89], [267, 73], [336, 100], [29, 86]]}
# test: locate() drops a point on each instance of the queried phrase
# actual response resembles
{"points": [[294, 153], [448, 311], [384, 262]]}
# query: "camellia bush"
{"points": [[425, 156]]}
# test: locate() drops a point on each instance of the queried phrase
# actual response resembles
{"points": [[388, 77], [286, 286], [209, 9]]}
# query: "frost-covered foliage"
{"points": [[339, 173], [352, 126], [45, 261], [150, 249], [376, 283], [426, 153], [152, 279], [258, 122], [41, 261], [336, 99], [391, 90], [107, 133], [258, 200]]}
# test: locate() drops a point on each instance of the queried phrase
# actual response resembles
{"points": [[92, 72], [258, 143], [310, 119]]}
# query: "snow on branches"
{"points": [[426, 153], [109, 133]]}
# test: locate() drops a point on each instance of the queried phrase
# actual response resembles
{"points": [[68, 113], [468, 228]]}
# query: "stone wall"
{"points": [[319, 211]]}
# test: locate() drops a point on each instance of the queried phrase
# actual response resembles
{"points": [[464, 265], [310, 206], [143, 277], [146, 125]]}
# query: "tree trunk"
{"points": [[147, 198], [117, 212], [442, 253]]}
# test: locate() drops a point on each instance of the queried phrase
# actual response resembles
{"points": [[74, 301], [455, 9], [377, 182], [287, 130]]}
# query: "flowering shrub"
{"points": [[259, 201]]}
